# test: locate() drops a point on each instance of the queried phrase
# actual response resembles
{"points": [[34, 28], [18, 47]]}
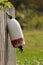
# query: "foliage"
{"points": [[5, 3], [34, 4], [29, 18]]}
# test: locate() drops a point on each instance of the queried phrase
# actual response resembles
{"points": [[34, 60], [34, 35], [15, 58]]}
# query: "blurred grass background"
{"points": [[33, 49], [31, 21]]}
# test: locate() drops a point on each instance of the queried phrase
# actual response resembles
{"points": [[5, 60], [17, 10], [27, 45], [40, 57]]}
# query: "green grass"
{"points": [[33, 49]]}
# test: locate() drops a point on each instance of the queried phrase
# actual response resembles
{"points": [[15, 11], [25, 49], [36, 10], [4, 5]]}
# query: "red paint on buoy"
{"points": [[17, 42]]}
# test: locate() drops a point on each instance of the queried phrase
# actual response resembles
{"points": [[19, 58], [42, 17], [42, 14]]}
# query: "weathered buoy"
{"points": [[15, 32]]}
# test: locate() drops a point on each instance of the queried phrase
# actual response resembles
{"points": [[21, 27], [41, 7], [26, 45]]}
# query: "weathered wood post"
{"points": [[7, 52]]}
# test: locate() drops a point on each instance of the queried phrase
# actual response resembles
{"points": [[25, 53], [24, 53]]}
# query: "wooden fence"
{"points": [[7, 52]]}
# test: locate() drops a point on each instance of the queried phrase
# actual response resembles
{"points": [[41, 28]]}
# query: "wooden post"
{"points": [[7, 52]]}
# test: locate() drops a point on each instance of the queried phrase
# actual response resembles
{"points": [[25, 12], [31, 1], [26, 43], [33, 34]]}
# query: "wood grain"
{"points": [[7, 52]]}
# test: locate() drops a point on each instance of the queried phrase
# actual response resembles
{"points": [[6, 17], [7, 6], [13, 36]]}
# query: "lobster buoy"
{"points": [[15, 32]]}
